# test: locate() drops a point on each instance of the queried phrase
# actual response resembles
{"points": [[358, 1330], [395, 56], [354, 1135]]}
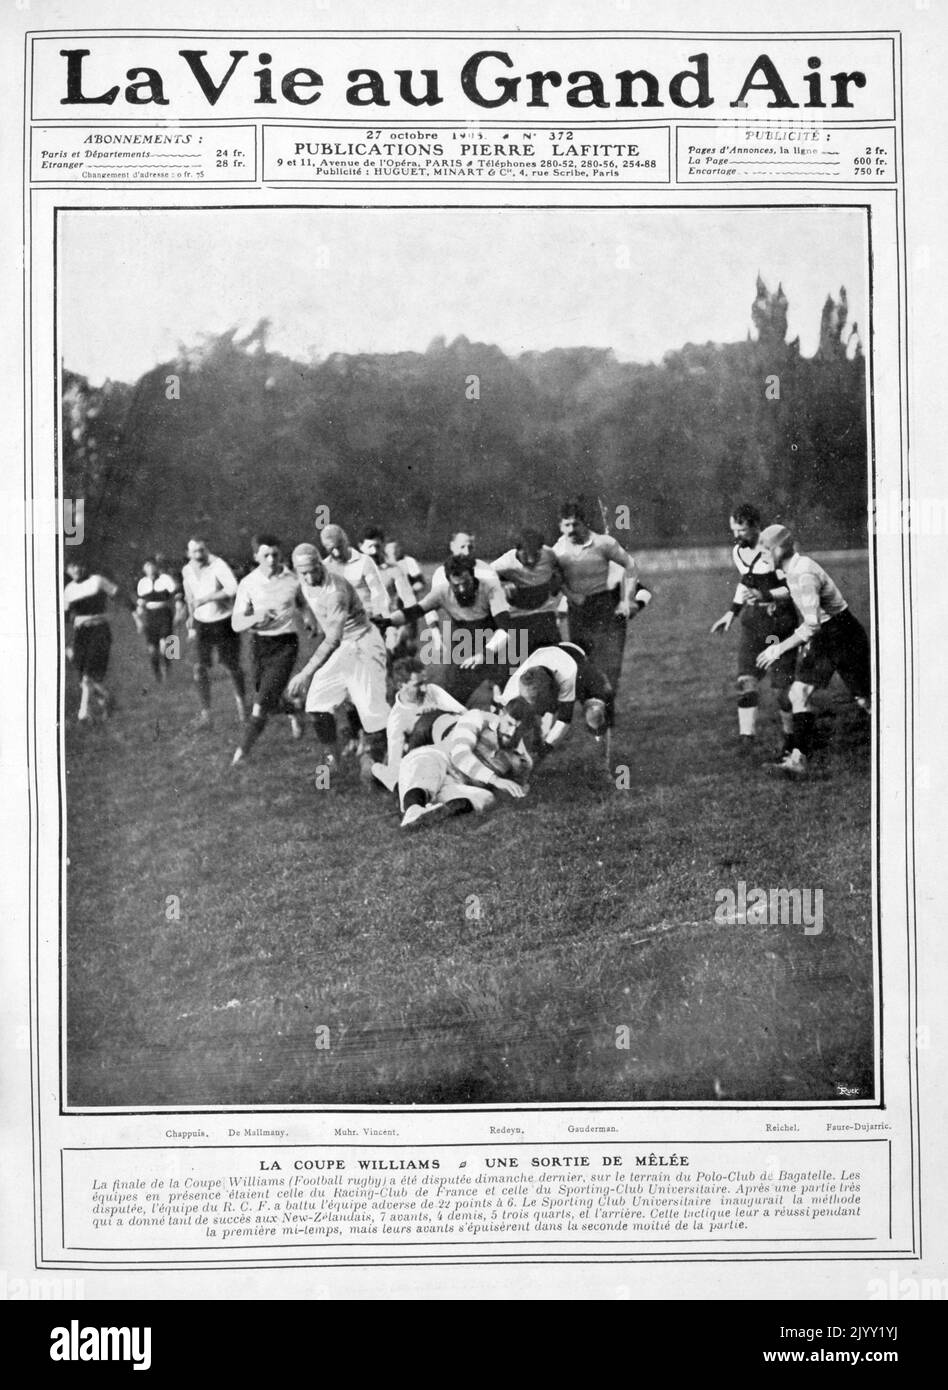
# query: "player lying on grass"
{"points": [[766, 615], [552, 680], [267, 605], [415, 698], [349, 662], [471, 760], [829, 638]]}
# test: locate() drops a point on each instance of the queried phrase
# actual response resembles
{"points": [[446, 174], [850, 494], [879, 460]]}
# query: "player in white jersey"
{"points": [[210, 587], [349, 662], [416, 699], [763, 608], [395, 555], [268, 604], [89, 636], [553, 680], [358, 568], [398, 587], [158, 604], [483, 753]]}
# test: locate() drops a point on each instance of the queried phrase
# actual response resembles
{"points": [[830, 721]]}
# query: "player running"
{"points": [[828, 638], [89, 635], [159, 604], [532, 579], [767, 615], [210, 588], [358, 568], [268, 604], [596, 622], [483, 753], [395, 555], [349, 662]]}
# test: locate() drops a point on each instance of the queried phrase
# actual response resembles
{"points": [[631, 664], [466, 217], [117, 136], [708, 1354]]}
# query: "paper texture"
{"points": [[654, 1007]]}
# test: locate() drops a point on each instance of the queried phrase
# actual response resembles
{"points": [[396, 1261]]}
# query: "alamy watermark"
{"points": [[770, 907]]}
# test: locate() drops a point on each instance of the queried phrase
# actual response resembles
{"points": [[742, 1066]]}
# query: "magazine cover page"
{"points": [[473, 736]]}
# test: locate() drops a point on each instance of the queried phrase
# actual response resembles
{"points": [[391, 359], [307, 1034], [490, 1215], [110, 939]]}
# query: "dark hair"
{"points": [[524, 713], [529, 539], [264, 538], [538, 678], [406, 666], [747, 514], [373, 533], [573, 506], [456, 565]]}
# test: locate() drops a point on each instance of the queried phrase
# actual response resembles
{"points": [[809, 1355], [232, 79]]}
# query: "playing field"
{"points": [[237, 937]]}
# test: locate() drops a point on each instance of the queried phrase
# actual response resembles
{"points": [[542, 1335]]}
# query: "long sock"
{"points": [[803, 727], [415, 796], [459, 806], [255, 727], [240, 685], [203, 682], [154, 656], [747, 720], [377, 746], [86, 691], [354, 722]]}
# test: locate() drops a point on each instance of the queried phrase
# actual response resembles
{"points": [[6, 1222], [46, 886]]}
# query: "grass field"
{"points": [[304, 910]]}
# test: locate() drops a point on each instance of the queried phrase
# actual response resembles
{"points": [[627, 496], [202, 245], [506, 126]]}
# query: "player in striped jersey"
{"points": [[483, 753], [416, 700], [766, 616]]}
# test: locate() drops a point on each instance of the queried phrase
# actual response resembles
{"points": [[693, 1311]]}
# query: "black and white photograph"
{"points": [[467, 656]]}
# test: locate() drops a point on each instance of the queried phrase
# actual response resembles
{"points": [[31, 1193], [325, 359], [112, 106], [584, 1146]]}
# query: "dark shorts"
{"points": [[91, 644], [759, 628], [842, 645], [530, 631], [219, 637], [157, 623], [273, 662], [596, 627]]}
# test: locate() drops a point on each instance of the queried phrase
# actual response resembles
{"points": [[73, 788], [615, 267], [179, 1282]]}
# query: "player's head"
{"points": [[517, 721], [573, 522], [779, 543], [268, 552], [335, 542], [538, 688], [308, 564], [77, 571], [595, 716], [150, 568], [529, 547], [198, 552], [410, 679], [745, 524], [462, 544], [459, 572], [394, 551], [372, 543]]}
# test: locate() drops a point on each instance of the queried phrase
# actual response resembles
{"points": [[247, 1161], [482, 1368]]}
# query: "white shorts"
{"points": [[429, 770], [356, 670]]}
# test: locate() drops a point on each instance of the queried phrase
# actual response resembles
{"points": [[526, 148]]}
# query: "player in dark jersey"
{"points": [[762, 602]]}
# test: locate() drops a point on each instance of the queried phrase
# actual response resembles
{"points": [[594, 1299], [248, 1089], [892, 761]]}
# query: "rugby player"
{"points": [[552, 680], [395, 555], [828, 638], [210, 588], [763, 605], [483, 753], [267, 604], [89, 634], [531, 576], [596, 622], [349, 662], [155, 612], [415, 698]]}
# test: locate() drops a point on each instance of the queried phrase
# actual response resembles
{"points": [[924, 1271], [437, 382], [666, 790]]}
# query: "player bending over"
{"points": [[473, 760], [829, 638], [552, 680]]}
